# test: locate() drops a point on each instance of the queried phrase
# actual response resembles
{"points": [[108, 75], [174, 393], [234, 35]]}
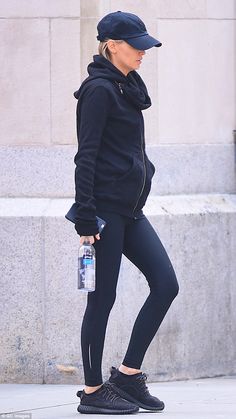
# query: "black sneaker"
{"points": [[104, 401], [134, 389]]}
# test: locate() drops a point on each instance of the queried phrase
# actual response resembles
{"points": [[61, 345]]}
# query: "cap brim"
{"points": [[143, 42]]}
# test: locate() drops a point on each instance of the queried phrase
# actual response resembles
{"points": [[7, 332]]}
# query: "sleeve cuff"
{"points": [[86, 228]]}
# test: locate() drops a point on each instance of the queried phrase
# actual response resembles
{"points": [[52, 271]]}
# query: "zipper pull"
{"points": [[120, 88], [119, 84]]}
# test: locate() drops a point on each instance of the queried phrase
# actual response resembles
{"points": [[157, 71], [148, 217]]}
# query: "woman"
{"points": [[112, 180]]}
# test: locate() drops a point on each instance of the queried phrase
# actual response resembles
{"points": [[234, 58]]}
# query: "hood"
{"points": [[133, 87]]}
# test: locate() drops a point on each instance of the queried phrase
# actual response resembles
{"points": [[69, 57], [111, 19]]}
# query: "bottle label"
{"points": [[86, 272], [87, 261]]}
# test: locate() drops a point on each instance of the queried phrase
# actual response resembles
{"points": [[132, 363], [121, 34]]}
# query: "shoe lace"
{"points": [[109, 393], [142, 382]]}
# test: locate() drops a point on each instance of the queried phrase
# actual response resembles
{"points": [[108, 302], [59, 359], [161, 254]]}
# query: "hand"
{"points": [[89, 238]]}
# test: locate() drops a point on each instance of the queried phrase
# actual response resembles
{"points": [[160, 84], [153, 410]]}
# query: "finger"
{"points": [[81, 240], [89, 239]]}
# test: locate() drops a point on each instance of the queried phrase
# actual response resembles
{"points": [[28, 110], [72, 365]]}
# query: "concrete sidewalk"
{"points": [[202, 399]]}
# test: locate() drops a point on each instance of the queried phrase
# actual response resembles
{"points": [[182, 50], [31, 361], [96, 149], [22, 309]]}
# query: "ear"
{"points": [[112, 46]]}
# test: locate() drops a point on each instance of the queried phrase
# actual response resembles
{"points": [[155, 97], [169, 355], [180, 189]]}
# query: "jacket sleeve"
{"points": [[92, 112]]}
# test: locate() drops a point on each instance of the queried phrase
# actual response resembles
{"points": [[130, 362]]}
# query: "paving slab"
{"points": [[206, 398]]}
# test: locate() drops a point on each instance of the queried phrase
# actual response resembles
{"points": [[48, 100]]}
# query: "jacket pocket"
{"points": [[126, 187]]}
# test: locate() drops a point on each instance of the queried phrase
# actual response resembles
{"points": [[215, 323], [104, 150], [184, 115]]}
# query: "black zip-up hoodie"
{"points": [[112, 171]]}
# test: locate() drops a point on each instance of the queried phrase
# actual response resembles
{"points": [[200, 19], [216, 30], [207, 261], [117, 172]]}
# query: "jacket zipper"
{"points": [[119, 84], [144, 179]]}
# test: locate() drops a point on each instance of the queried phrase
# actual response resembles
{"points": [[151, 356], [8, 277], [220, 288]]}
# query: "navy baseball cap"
{"points": [[128, 27]]}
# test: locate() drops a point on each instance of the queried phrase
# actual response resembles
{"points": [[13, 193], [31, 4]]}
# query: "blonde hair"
{"points": [[103, 47]]}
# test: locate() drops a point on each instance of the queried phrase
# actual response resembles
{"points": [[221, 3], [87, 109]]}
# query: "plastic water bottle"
{"points": [[86, 267]]}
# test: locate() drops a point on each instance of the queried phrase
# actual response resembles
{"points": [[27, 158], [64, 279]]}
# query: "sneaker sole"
{"points": [[93, 409], [127, 396]]}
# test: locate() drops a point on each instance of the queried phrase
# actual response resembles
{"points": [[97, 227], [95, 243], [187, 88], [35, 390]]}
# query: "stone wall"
{"points": [[45, 48]]}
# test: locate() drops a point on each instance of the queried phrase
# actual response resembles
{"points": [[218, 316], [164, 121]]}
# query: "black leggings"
{"points": [[139, 242]]}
